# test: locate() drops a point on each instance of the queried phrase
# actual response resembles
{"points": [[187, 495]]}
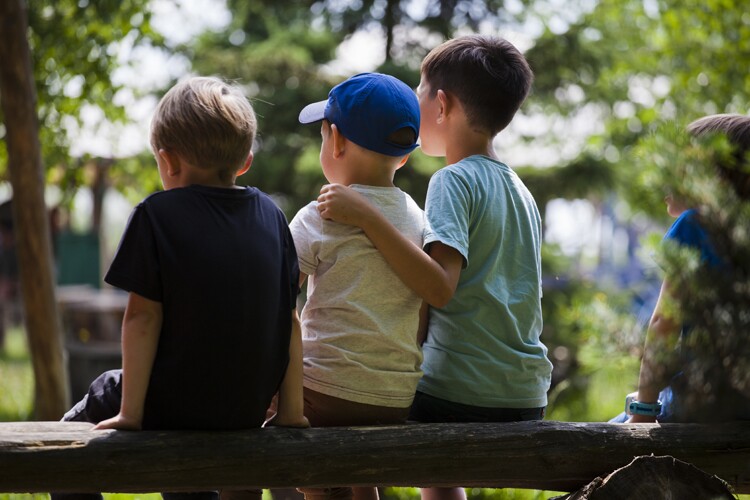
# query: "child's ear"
{"points": [[402, 162], [445, 101], [172, 162], [339, 141], [247, 164]]}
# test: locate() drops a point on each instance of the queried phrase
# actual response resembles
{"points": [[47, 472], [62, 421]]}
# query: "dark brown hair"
{"points": [[487, 74], [737, 130]]}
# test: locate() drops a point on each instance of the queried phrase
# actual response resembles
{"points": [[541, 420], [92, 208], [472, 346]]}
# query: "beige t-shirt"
{"points": [[359, 324]]}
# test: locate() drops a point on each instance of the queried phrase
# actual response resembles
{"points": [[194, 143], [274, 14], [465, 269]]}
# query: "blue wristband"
{"points": [[649, 409]]}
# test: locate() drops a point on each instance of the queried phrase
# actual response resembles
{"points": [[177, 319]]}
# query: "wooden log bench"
{"points": [[548, 455]]}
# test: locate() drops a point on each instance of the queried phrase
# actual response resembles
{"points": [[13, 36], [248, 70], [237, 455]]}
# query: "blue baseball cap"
{"points": [[367, 108]]}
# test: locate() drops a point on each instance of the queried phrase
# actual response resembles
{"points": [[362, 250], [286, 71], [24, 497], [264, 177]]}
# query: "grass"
{"points": [[16, 378]]}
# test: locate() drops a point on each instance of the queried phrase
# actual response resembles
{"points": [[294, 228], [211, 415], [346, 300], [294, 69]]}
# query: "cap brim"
{"points": [[314, 112]]}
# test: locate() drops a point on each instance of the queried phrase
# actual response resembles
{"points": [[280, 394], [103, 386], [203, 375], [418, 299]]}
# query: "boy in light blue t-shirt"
{"points": [[483, 358]]}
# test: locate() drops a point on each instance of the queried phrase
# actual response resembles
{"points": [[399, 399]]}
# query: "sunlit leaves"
{"points": [[75, 48]]}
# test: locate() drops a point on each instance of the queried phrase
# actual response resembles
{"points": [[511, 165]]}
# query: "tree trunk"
{"points": [[31, 224]]}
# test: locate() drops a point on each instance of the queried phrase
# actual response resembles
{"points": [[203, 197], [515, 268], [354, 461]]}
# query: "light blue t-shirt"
{"points": [[483, 348]]}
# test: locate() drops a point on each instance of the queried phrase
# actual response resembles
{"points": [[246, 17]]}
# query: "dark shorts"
{"points": [[102, 401], [429, 409]]}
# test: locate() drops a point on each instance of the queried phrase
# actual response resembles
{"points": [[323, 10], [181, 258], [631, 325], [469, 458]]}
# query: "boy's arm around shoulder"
{"points": [[141, 327], [433, 277]]}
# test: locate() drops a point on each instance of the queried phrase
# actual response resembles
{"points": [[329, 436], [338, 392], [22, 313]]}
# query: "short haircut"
{"points": [[207, 122], [736, 128], [487, 74]]}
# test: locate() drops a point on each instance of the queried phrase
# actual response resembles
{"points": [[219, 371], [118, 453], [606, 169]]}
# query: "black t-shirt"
{"points": [[222, 263]]}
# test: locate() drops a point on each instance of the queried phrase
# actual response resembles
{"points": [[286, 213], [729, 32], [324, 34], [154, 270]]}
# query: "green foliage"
{"points": [[631, 65], [669, 161], [585, 177], [278, 63], [712, 299], [594, 344], [135, 176], [74, 46], [279, 51]]}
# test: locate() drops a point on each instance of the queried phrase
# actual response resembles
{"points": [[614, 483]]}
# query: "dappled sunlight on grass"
{"points": [[16, 378]]}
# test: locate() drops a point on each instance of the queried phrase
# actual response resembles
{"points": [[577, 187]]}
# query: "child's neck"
{"points": [[380, 177], [467, 143], [368, 169], [206, 177]]}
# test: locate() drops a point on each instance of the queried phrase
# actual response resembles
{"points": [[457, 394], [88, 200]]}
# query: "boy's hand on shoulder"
{"points": [[120, 422], [343, 204], [300, 422]]}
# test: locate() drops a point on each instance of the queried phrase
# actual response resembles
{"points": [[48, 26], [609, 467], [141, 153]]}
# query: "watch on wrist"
{"points": [[649, 409]]}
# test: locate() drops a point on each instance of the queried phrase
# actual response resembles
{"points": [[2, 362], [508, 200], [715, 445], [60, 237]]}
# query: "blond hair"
{"points": [[207, 122]]}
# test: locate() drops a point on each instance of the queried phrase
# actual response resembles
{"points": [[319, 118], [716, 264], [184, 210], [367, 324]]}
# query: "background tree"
{"points": [[69, 65], [283, 53], [77, 46], [32, 233], [630, 65]]}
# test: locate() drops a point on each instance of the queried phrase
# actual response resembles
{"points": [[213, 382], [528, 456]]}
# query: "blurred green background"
{"points": [[609, 74]]}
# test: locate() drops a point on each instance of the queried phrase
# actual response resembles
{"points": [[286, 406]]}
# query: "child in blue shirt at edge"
{"points": [[661, 394], [483, 358], [210, 331]]}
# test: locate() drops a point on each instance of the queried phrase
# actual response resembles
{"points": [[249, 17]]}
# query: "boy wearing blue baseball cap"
{"points": [[484, 360], [361, 358]]}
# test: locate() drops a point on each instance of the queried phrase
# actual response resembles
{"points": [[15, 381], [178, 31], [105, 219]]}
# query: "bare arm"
{"points": [[424, 321], [291, 402], [658, 353], [433, 277], [141, 327]]}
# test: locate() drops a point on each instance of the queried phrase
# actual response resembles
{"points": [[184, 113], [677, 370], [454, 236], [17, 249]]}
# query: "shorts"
{"points": [[429, 409]]}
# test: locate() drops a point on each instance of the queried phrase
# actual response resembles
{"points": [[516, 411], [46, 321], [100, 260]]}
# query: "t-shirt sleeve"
{"points": [[688, 232], [135, 267], [306, 228], [447, 209], [685, 231], [292, 265]]}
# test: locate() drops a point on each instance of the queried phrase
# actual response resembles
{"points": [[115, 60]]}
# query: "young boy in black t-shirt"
{"points": [[213, 277]]}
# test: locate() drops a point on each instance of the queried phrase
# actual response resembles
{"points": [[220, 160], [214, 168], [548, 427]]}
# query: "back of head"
{"points": [[736, 128], [488, 74], [207, 122], [377, 112]]}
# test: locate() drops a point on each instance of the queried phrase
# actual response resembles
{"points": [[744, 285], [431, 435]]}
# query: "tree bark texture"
{"points": [[654, 477], [31, 223], [557, 456]]}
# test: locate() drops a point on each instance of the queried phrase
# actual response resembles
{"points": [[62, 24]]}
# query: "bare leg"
{"points": [[364, 493], [240, 494], [443, 494]]}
